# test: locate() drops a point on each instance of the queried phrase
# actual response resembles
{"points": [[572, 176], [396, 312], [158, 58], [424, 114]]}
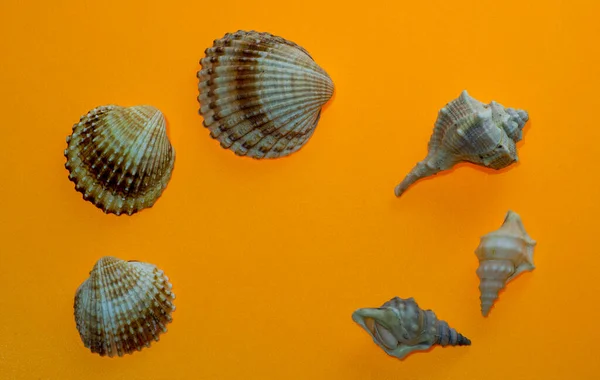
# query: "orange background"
{"points": [[268, 259]]}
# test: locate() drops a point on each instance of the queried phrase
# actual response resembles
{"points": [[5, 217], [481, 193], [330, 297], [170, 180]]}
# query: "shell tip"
{"points": [[485, 310], [398, 191], [463, 340]]}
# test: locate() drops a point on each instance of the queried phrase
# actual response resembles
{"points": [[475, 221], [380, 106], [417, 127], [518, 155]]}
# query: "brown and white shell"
{"points": [[468, 130], [261, 95], [401, 327], [123, 306], [120, 158], [503, 254]]}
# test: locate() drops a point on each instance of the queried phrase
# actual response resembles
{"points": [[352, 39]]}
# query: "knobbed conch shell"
{"points": [[120, 158], [503, 254], [401, 327], [468, 130], [261, 95], [123, 306]]}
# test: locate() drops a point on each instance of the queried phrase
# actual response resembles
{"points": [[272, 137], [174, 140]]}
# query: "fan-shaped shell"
{"points": [[123, 306], [468, 130], [503, 254], [120, 158], [400, 327], [261, 95]]}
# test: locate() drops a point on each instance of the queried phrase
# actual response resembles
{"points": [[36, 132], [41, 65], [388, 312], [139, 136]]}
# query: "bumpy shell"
{"points": [[123, 306], [120, 158], [261, 95], [503, 254], [400, 327], [468, 130]]}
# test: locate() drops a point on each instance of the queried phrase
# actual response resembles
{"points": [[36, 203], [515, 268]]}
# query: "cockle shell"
{"points": [[123, 306], [468, 130], [261, 95], [503, 254], [120, 158], [400, 327]]}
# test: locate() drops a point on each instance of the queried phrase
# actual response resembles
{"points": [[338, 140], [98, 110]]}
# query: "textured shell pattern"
{"points": [[261, 95], [468, 130], [120, 158], [401, 327], [123, 306], [503, 254]]}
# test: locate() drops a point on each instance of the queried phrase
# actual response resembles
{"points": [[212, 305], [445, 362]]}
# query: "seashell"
{"points": [[468, 130], [123, 306], [261, 95], [400, 327], [120, 158], [503, 254]]}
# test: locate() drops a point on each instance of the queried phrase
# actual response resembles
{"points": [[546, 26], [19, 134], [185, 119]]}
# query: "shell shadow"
{"points": [[457, 167]]}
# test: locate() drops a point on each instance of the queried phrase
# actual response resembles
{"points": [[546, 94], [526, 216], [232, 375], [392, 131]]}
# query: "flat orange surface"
{"points": [[268, 259]]}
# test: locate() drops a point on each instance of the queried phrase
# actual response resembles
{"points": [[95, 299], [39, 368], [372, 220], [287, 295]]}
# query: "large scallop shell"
{"points": [[120, 158], [400, 327], [468, 130], [123, 306], [261, 95], [503, 254]]}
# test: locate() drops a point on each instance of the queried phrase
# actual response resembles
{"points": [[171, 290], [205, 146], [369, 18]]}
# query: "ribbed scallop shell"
{"points": [[400, 327], [123, 306], [503, 254], [120, 158], [261, 95], [468, 130]]}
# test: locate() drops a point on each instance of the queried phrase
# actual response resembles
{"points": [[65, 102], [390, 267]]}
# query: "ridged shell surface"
{"points": [[261, 95], [120, 158], [503, 254], [123, 306], [468, 130], [401, 327]]}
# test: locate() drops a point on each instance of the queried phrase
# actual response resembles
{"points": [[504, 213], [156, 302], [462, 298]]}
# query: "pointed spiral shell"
{"points": [[400, 327], [467, 130], [123, 306], [502, 254], [261, 95], [120, 158]]}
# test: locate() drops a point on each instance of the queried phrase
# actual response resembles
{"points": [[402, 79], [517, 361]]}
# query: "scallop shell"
{"points": [[468, 130], [120, 158], [401, 327], [123, 306], [503, 254], [261, 95]]}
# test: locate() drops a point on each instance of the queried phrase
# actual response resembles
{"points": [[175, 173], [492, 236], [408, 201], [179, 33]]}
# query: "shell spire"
{"points": [[467, 130], [401, 327], [261, 95], [503, 254], [120, 158], [123, 306]]}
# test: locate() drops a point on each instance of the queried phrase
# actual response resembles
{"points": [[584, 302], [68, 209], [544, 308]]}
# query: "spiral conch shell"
{"points": [[123, 306], [503, 254], [261, 95], [468, 130], [120, 158], [400, 327]]}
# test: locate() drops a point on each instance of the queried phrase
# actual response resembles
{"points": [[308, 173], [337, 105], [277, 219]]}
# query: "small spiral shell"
{"points": [[502, 254], [400, 327]]}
